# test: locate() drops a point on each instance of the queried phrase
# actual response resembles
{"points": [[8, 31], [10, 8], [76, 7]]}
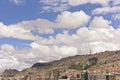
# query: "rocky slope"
{"points": [[108, 61]]}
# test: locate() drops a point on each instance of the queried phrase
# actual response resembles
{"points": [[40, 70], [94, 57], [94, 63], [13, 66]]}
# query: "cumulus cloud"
{"points": [[25, 30], [7, 59], [15, 31], [7, 62], [13, 58], [71, 20], [112, 9], [85, 38], [100, 36], [38, 25], [54, 51], [96, 23], [67, 19]]}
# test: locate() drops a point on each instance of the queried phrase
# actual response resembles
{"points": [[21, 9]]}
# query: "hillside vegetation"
{"points": [[108, 61]]}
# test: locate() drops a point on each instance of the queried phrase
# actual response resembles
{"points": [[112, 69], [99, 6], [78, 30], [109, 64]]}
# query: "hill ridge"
{"points": [[93, 62]]}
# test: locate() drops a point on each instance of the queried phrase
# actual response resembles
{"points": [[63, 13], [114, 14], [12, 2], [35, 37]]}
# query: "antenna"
{"points": [[90, 51]]}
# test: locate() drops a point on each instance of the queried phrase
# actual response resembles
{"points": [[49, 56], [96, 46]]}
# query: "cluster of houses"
{"points": [[68, 75], [94, 76]]}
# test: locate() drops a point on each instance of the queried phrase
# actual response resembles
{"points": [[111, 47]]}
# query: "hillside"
{"points": [[108, 61], [92, 61]]}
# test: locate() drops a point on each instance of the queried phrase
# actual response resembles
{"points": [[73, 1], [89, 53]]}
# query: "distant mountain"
{"points": [[9, 73], [101, 62]]}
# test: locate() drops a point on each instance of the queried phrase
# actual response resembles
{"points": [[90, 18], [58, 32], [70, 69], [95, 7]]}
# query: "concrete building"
{"points": [[107, 76], [117, 76], [97, 77]]}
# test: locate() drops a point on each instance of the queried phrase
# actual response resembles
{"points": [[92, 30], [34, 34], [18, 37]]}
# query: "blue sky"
{"points": [[46, 30], [14, 13]]}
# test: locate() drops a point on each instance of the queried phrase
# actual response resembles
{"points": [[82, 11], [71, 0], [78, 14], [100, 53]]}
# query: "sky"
{"points": [[45, 30]]}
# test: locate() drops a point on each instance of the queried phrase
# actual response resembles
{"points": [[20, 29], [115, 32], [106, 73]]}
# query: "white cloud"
{"points": [[112, 9], [104, 46], [54, 5], [25, 30], [71, 20], [116, 2], [7, 47], [62, 5], [21, 59], [54, 51], [98, 37], [7, 62], [38, 25], [65, 51], [7, 58], [105, 10], [116, 16], [80, 2], [99, 22], [15, 31], [100, 30], [67, 19]]}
